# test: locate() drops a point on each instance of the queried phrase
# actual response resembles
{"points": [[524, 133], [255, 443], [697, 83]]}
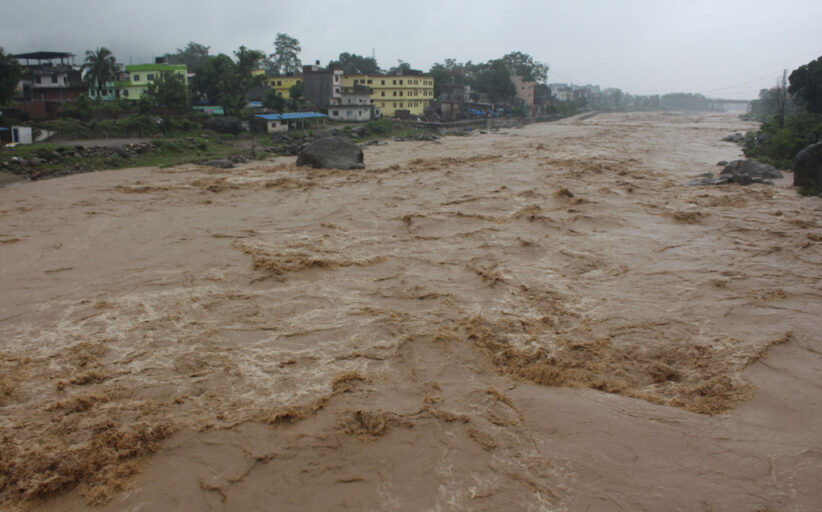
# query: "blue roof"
{"points": [[291, 115]]}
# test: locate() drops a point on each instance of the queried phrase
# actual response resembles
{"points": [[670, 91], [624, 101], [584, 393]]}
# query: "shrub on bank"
{"points": [[779, 146]]}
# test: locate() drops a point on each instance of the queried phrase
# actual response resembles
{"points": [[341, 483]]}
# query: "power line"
{"points": [[769, 75]]}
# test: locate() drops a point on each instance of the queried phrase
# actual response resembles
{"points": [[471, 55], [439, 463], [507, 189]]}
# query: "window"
{"points": [[356, 81], [400, 82], [395, 105], [125, 93], [369, 81], [336, 112], [349, 113], [136, 78], [395, 93], [149, 77], [382, 93], [400, 93], [279, 82], [54, 79], [400, 105], [382, 82], [395, 82]]}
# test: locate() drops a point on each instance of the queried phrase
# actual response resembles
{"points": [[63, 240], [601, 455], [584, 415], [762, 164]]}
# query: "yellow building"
{"points": [[390, 93], [282, 84]]}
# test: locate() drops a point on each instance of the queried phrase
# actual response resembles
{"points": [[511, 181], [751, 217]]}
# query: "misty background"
{"points": [[728, 49]]}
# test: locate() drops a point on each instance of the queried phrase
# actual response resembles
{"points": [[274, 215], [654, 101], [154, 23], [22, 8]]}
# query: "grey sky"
{"points": [[723, 48]]}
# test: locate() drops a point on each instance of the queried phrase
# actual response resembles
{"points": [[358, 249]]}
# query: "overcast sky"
{"points": [[721, 48]]}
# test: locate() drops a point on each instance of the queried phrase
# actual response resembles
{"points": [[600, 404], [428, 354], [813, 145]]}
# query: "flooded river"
{"points": [[543, 318]]}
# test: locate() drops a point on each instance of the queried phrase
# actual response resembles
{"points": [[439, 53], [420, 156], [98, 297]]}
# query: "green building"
{"points": [[140, 75]]}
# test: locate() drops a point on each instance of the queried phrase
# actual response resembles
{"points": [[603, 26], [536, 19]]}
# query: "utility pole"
{"points": [[782, 98]]}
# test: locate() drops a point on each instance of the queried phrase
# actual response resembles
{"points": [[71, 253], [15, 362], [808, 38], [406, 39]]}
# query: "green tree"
{"points": [[194, 55], [274, 101], [10, 73], [806, 85], [353, 64], [222, 81], [494, 79], [101, 67], [166, 96], [295, 96], [523, 65], [400, 68], [451, 72], [285, 57]]}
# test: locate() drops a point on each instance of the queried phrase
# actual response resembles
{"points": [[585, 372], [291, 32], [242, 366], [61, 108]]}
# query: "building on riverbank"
{"points": [[138, 77], [49, 80]]}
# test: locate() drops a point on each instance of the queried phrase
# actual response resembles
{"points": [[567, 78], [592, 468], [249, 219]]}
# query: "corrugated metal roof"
{"points": [[291, 115]]}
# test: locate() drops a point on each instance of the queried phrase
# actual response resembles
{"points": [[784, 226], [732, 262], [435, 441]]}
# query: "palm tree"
{"points": [[101, 67]]}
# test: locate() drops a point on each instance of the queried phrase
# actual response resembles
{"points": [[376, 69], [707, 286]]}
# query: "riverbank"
{"points": [[543, 318]]}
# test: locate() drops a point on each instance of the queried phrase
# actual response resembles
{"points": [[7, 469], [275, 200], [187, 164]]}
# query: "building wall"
{"points": [[391, 93], [525, 90], [320, 86], [140, 75], [283, 84], [351, 113]]}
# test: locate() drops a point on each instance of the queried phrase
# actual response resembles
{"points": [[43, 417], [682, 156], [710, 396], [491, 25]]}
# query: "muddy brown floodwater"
{"points": [[533, 319]]}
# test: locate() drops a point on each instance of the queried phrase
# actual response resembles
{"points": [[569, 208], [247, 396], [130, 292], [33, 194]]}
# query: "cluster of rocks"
{"points": [[737, 138], [227, 163], [71, 159], [742, 172]]}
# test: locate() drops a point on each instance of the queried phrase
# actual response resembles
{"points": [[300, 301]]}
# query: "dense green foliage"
{"points": [[166, 96], [10, 73], [786, 131], [274, 101], [493, 77], [222, 81], [193, 56], [353, 64], [779, 146], [770, 105], [285, 57], [806, 85]]}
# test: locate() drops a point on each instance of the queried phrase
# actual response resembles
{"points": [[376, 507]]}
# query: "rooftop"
{"points": [[156, 67], [290, 115]]}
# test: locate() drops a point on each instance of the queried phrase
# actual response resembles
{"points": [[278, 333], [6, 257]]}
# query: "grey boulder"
{"points": [[807, 169], [332, 153]]}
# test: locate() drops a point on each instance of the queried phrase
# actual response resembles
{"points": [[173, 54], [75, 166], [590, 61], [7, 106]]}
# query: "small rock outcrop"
{"points": [[737, 137], [746, 172], [222, 163], [807, 169], [332, 153], [742, 172]]}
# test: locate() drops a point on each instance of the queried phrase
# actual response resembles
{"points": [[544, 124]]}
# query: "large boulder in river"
{"points": [[332, 153], [807, 169], [746, 172]]}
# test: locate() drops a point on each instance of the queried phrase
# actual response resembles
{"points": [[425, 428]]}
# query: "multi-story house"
{"points": [[282, 84], [140, 75], [324, 88], [353, 104], [49, 80], [410, 91]]}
